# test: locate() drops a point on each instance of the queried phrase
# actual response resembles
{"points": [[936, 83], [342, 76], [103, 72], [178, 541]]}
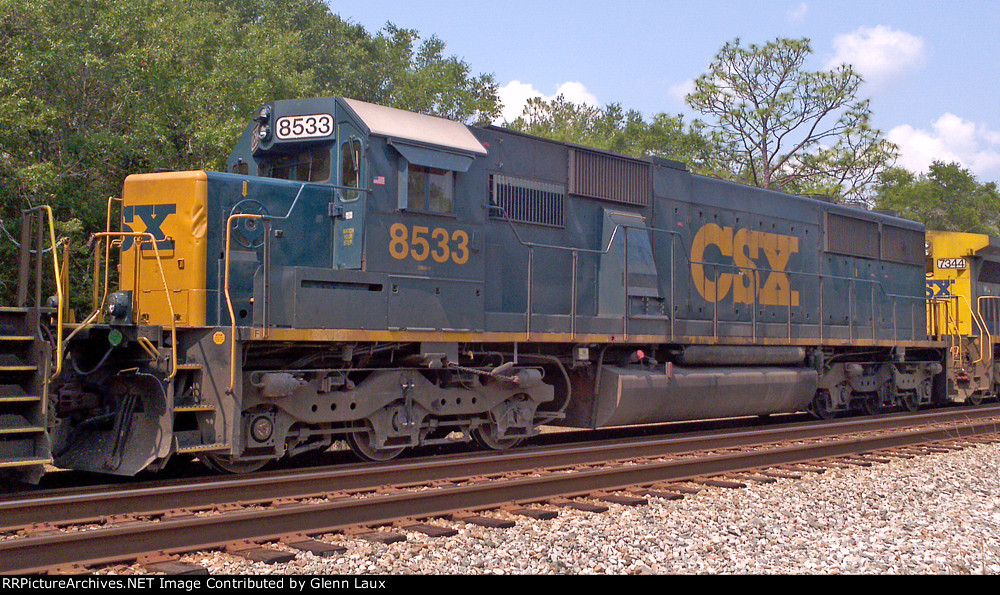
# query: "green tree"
{"points": [[947, 198], [97, 89], [414, 74], [781, 126], [613, 128], [394, 67]]}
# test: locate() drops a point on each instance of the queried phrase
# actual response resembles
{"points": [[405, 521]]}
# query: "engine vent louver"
{"points": [[527, 201], [902, 245], [609, 177], [852, 236]]}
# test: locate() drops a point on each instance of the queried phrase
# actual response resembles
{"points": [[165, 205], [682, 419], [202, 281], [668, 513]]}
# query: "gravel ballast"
{"points": [[933, 514]]}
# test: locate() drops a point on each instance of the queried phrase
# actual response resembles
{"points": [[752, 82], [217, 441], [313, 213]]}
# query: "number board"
{"points": [[310, 126], [952, 263]]}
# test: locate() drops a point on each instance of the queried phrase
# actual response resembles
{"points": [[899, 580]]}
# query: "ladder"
{"points": [[25, 356]]}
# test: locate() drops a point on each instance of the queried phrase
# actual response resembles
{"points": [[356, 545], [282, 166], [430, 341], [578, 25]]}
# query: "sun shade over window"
{"points": [[433, 158]]}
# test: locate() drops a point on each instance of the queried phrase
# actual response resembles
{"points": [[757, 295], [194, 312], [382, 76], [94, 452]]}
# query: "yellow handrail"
{"points": [[979, 322], [229, 299], [979, 308], [146, 236], [59, 288]]}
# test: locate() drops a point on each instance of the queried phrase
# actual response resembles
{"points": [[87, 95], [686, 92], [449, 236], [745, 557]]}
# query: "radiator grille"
{"points": [[609, 177], [526, 201], [852, 236], [902, 245]]}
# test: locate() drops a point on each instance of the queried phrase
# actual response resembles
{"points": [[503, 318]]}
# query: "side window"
{"points": [[241, 167], [350, 167], [427, 177], [430, 189]]}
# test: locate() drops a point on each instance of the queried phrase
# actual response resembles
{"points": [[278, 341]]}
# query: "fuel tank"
{"points": [[625, 396]]}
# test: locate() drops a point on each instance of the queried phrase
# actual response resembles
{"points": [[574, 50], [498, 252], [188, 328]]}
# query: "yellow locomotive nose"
{"points": [[963, 293], [172, 207]]}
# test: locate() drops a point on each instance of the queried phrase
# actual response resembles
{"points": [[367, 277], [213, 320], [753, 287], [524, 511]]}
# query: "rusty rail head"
{"points": [[178, 533]]}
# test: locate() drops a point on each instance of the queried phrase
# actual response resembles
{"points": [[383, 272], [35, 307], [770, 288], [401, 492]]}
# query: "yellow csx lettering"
{"points": [[769, 284]]}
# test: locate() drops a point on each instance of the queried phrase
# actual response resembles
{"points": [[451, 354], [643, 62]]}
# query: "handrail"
{"points": [[986, 327], [975, 318], [943, 310], [756, 271], [229, 298], [107, 258], [58, 282], [144, 237]]}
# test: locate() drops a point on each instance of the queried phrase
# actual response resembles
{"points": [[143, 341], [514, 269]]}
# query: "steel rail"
{"points": [[87, 505], [177, 535]]}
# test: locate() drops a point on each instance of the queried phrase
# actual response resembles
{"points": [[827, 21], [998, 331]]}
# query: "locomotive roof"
{"points": [[420, 128]]}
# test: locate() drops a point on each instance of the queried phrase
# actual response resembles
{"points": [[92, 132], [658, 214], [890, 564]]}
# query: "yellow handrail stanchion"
{"points": [[229, 299], [144, 236]]}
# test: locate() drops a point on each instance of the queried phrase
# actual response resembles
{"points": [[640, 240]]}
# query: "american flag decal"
{"points": [[379, 181]]}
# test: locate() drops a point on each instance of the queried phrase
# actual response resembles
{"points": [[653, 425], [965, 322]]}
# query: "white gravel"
{"points": [[935, 514]]}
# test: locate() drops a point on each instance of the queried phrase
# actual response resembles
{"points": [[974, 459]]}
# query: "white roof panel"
{"points": [[403, 125]]}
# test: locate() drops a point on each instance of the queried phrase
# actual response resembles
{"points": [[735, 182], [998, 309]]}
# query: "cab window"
{"points": [[308, 166], [350, 167]]}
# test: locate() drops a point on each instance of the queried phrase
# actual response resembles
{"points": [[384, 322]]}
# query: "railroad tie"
{"points": [[169, 564], [305, 543], [430, 530], [255, 552]]}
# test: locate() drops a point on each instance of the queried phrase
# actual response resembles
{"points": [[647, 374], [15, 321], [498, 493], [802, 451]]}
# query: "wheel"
{"points": [[818, 407], [911, 401], [974, 399], [363, 445], [485, 435], [225, 464], [248, 232], [871, 405]]}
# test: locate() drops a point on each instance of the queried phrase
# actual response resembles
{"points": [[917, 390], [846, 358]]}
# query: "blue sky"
{"points": [[932, 68]]}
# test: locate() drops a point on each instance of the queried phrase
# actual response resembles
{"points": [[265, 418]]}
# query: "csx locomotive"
{"points": [[389, 279]]}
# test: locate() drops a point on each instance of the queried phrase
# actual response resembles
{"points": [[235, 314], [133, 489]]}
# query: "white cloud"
{"points": [[797, 14], [515, 94], [951, 138], [681, 90], [879, 53]]}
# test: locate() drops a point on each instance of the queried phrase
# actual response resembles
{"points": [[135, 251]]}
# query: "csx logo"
{"points": [[152, 217], [768, 286], [938, 288]]}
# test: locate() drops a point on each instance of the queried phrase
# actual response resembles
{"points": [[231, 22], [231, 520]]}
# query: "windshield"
{"points": [[308, 166]]}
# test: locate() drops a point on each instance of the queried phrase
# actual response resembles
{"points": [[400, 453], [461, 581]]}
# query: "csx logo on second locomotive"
{"points": [[152, 217], [750, 279]]}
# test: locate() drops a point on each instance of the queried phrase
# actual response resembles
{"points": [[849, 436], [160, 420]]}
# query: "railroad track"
{"points": [[53, 530]]}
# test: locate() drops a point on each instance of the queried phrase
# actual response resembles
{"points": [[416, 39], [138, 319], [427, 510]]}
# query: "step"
{"points": [[19, 399], [11, 430], [12, 423], [15, 393], [24, 462], [188, 367], [201, 448], [194, 408]]}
